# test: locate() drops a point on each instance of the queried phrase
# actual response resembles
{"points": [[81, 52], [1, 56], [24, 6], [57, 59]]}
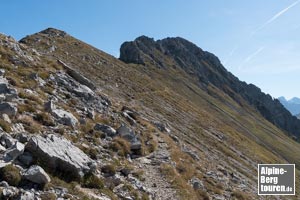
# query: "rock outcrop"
{"points": [[65, 117], [78, 77], [58, 154], [126, 133], [14, 151], [36, 174], [107, 130], [8, 108]]}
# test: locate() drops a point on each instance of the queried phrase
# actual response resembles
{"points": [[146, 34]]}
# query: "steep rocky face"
{"points": [[209, 70]]}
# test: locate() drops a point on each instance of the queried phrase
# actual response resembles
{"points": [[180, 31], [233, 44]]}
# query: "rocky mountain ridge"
{"points": [[80, 124], [208, 69]]}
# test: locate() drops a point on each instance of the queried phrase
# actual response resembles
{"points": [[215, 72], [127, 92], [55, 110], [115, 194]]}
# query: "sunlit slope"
{"points": [[222, 130]]}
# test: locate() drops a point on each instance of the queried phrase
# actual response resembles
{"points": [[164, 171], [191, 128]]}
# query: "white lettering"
{"points": [[272, 171]]}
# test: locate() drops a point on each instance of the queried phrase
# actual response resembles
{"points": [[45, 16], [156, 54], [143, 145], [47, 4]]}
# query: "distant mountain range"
{"points": [[293, 105]]}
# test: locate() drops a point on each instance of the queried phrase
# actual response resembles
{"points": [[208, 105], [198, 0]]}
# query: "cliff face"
{"points": [[209, 70]]}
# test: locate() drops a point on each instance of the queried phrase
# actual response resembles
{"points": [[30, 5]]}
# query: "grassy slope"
{"points": [[196, 116]]}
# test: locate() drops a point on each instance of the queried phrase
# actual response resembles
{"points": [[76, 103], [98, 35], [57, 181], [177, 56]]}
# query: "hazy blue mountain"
{"points": [[293, 105]]}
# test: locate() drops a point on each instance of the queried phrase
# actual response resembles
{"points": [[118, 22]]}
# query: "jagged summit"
{"points": [[144, 49], [176, 50], [208, 69]]}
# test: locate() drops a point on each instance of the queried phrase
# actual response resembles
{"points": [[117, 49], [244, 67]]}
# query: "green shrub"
{"points": [[93, 153], [22, 108], [44, 118], [11, 175], [48, 196], [202, 195], [109, 169], [152, 146], [121, 146], [30, 124], [92, 181], [145, 197], [5, 125], [138, 174], [240, 195], [31, 97]]}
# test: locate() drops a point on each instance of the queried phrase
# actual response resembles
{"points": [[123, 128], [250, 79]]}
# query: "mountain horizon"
{"points": [[293, 104]]}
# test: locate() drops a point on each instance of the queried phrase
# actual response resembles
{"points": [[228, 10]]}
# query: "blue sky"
{"points": [[256, 40]]}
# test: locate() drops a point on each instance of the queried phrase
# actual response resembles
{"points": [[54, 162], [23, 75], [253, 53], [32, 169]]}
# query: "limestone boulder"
{"points": [[60, 155]]}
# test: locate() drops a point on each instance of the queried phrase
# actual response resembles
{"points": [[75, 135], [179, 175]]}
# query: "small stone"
{"points": [[7, 141], [2, 72], [109, 131], [126, 133], [8, 108], [49, 106], [144, 160], [196, 183], [10, 192], [91, 114], [26, 195], [6, 118], [14, 151], [4, 184], [2, 148], [26, 158], [28, 91], [65, 117], [125, 171], [18, 128], [36, 174], [162, 127], [22, 137]]}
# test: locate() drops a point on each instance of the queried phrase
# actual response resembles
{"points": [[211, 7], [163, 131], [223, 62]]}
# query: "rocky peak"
{"points": [[181, 51], [138, 50], [52, 32], [282, 99], [179, 46], [295, 100]]}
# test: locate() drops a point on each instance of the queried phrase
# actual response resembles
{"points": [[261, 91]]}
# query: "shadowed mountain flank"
{"points": [[209, 70]]}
